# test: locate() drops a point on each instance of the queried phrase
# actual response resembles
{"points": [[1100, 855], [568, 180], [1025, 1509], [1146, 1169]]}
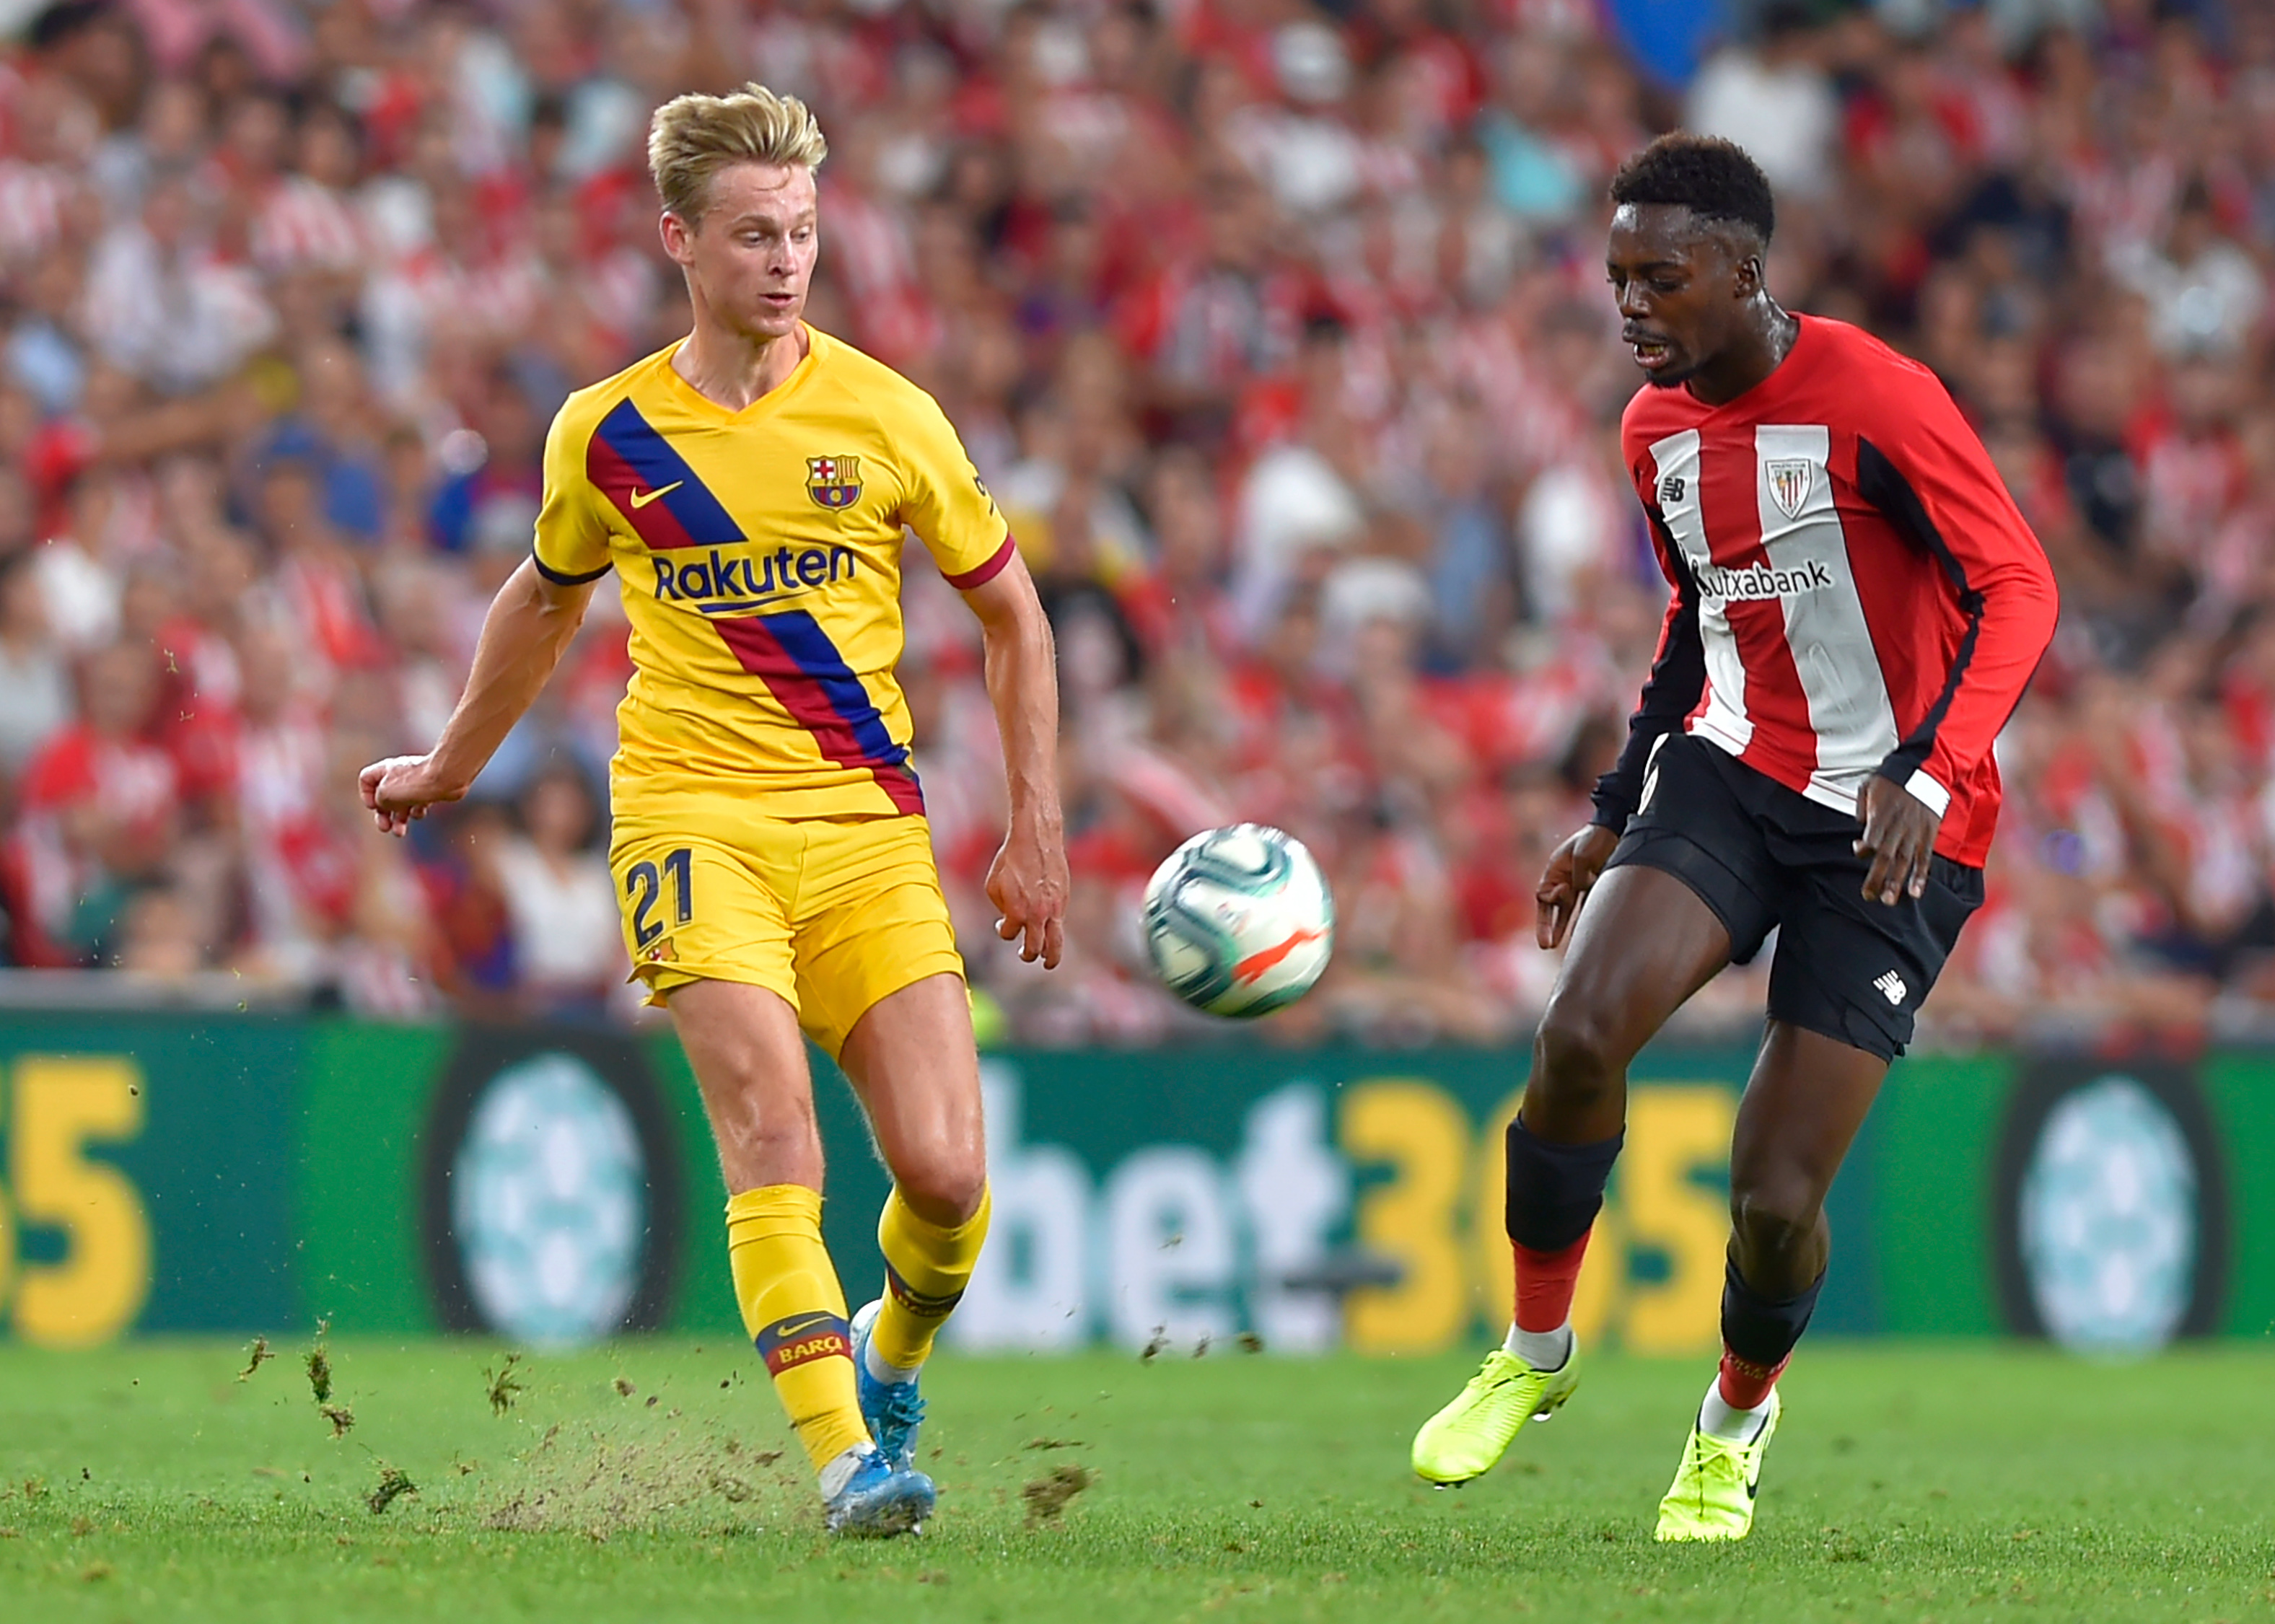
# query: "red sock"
{"points": [[1745, 1385], [1545, 1283]]}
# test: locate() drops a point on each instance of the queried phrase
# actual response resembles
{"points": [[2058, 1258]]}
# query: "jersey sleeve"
{"points": [[1672, 691], [1920, 464], [945, 503], [573, 544]]}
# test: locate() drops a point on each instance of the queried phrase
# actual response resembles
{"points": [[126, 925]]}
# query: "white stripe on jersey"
{"points": [[1824, 626], [1676, 461]]}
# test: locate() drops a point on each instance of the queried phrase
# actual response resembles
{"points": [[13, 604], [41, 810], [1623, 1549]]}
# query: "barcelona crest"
{"points": [[833, 481]]}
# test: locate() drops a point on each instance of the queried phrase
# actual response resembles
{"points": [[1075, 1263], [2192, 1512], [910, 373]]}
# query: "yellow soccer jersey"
{"points": [[759, 556]]}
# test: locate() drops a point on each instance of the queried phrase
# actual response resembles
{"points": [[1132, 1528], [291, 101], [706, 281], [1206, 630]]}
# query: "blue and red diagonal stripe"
{"points": [[626, 456], [810, 679]]}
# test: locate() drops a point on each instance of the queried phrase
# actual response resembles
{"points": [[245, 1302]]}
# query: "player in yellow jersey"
{"points": [[750, 488]]}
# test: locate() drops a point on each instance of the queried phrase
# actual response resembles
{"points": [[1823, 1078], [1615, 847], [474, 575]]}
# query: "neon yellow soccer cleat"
{"points": [[1714, 1487], [1462, 1440]]}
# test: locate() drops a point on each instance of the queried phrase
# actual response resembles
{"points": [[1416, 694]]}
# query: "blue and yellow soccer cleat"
{"points": [[892, 1410], [1462, 1440], [1714, 1487], [878, 1500]]}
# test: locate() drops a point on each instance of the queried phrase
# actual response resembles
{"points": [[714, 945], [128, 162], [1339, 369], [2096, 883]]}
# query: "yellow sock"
{"points": [[795, 1311], [927, 1268]]}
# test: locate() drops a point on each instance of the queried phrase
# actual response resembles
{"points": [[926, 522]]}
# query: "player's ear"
{"points": [[1747, 276]]}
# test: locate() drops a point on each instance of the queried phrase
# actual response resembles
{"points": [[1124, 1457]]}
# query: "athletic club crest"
{"points": [[1789, 483], [833, 481]]}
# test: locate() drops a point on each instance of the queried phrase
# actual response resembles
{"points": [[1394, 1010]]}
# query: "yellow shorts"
{"points": [[831, 914]]}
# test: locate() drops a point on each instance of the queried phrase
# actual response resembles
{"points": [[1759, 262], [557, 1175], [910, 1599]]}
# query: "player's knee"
{"points": [[942, 1187], [1575, 1054], [1774, 1218]]}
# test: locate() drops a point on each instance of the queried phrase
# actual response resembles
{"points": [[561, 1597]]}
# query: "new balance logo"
{"points": [[1759, 582], [1892, 988], [1671, 489]]}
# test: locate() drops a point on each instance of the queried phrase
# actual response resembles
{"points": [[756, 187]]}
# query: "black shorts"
{"points": [[1761, 855]]}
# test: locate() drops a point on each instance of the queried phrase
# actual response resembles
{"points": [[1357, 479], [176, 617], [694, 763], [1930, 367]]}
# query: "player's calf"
{"points": [[927, 1264], [1555, 1192], [1714, 1489], [795, 1311], [1758, 1335]]}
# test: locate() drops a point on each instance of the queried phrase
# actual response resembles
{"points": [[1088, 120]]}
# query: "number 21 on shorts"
{"points": [[643, 885]]}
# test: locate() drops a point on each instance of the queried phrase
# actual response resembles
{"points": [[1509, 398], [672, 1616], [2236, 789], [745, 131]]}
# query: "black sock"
{"points": [[1554, 1191], [1759, 1329]]}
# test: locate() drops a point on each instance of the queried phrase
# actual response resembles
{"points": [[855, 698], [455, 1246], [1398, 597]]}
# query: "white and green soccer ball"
{"points": [[1238, 920]]}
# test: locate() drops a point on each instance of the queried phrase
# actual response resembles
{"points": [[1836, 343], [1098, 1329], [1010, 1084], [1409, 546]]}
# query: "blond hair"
{"points": [[691, 138]]}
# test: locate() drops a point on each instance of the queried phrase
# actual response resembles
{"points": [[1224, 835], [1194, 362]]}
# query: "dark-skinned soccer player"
{"points": [[1856, 608]]}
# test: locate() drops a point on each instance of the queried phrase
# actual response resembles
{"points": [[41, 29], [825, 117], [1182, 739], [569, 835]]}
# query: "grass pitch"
{"points": [[655, 1481]]}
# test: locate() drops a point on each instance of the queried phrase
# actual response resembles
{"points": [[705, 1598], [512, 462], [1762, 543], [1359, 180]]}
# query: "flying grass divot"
{"points": [[394, 1484], [1048, 1497], [320, 1365], [256, 1355], [504, 1385]]}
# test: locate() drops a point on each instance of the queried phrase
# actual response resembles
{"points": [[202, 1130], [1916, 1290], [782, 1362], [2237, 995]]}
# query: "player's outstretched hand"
{"points": [[1899, 837], [402, 788], [1028, 884], [1570, 875]]}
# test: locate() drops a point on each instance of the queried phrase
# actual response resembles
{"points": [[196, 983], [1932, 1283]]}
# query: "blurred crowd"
{"points": [[1280, 334]]}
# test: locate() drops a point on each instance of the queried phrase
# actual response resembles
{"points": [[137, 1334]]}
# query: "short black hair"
{"points": [[1712, 177], [60, 22]]}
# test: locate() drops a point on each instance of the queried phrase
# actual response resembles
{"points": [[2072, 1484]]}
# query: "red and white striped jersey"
{"points": [[33, 197], [304, 225], [1854, 590]]}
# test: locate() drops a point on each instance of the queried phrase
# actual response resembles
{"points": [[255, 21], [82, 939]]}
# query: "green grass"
{"points": [[1912, 1482]]}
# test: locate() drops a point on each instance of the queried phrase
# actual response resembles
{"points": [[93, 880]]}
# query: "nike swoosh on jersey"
{"points": [[626, 456]]}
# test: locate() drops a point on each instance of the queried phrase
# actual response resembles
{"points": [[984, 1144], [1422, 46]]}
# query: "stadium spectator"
{"points": [[559, 898], [1277, 332]]}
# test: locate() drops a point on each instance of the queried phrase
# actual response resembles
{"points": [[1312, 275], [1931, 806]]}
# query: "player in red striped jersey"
{"points": [[1857, 609]]}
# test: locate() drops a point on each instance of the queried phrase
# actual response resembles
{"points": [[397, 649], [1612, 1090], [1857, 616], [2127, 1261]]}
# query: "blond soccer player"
{"points": [[749, 486]]}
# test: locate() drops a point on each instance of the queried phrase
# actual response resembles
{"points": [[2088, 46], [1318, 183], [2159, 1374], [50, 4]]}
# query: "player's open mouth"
{"points": [[1650, 354]]}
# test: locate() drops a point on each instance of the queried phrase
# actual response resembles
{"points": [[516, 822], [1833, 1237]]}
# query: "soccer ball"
{"points": [[1238, 921]]}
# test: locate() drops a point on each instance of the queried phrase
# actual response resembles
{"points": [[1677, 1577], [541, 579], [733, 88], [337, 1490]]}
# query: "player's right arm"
{"points": [[529, 626], [1677, 680]]}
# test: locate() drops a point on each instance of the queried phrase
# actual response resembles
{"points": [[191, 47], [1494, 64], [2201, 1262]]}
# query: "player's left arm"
{"points": [[947, 506], [1028, 882], [1921, 463]]}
